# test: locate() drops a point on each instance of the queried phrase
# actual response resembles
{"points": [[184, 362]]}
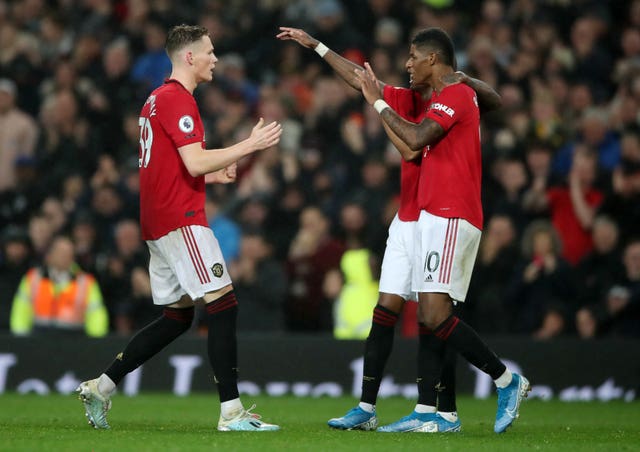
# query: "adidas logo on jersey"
{"points": [[428, 278]]}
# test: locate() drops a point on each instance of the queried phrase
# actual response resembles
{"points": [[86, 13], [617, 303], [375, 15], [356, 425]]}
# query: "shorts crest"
{"points": [[217, 270]]}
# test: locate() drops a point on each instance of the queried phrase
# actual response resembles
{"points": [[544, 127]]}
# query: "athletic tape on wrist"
{"points": [[380, 105], [321, 49]]}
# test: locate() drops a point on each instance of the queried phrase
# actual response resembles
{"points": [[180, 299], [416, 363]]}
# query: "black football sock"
{"points": [[447, 387], [467, 342], [222, 344], [430, 360], [376, 352], [150, 340]]}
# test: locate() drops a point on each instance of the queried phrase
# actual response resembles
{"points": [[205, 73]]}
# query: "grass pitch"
{"points": [[162, 422]]}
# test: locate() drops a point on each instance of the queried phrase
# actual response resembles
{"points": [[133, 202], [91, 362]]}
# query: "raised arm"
{"points": [[202, 161], [343, 67]]}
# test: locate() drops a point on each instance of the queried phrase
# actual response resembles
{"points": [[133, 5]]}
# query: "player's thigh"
{"points": [[446, 250], [197, 260], [395, 275], [165, 287]]}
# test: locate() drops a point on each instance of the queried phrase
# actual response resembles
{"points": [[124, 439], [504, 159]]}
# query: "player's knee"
{"points": [[393, 303], [182, 316], [433, 318], [430, 321], [226, 303], [434, 309]]}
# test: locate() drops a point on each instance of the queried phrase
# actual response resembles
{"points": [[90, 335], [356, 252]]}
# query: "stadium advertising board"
{"points": [[570, 370]]}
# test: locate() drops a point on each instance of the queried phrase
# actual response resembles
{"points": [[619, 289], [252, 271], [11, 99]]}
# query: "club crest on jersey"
{"points": [[217, 270], [186, 124]]}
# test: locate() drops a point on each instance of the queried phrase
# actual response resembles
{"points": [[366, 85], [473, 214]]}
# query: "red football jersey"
{"points": [[410, 106], [169, 196], [576, 240], [451, 169]]}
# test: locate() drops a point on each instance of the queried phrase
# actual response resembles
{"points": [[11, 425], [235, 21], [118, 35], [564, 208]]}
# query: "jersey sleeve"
{"points": [[453, 104], [179, 117], [401, 100]]}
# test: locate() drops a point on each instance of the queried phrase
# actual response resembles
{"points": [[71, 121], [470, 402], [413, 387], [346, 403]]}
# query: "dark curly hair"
{"points": [[438, 40]]}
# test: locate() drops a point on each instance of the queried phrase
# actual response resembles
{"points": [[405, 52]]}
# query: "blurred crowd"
{"points": [[560, 254]]}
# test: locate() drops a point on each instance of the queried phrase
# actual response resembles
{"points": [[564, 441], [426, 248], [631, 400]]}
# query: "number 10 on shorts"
{"points": [[431, 264]]}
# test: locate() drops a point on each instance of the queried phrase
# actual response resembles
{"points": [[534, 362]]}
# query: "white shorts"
{"points": [[446, 250], [395, 275], [186, 261]]}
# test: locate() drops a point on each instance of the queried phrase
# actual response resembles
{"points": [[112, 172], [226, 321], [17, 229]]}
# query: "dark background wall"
{"points": [[317, 366]]}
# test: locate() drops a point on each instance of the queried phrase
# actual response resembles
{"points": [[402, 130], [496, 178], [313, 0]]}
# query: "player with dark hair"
{"points": [[450, 223], [436, 407], [186, 262]]}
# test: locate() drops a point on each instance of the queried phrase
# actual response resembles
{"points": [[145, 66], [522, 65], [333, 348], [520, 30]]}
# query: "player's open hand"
{"points": [[298, 35], [264, 137], [368, 83]]}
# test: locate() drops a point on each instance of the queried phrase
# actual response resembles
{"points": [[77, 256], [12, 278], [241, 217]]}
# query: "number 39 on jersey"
{"points": [[146, 140]]}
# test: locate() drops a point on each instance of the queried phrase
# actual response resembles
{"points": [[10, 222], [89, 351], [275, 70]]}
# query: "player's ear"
{"points": [[188, 57]]}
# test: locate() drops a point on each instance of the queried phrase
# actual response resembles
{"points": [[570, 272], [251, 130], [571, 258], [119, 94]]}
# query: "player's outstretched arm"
{"points": [[488, 98], [343, 67], [200, 161], [415, 136]]}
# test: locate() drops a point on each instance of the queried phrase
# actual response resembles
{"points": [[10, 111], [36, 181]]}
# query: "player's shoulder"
{"points": [[172, 98], [459, 89], [170, 91], [463, 94]]}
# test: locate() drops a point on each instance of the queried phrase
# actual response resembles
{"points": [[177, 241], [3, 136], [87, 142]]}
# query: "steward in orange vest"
{"points": [[59, 296]]}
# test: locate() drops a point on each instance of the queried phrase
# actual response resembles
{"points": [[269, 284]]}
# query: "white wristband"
{"points": [[380, 105], [321, 49]]}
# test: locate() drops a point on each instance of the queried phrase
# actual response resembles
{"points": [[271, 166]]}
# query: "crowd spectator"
{"points": [[617, 312], [542, 289], [572, 208], [262, 283], [15, 260], [602, 266], [153, 66], [357, 294], [227, 230], [125, 280], [58, 296], [313, 253], [85, 238], [623, 202], [18, 134], [498, 254]]}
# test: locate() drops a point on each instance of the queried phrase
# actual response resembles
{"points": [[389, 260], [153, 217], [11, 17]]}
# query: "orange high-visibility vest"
{"points": [[65, 308]]}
